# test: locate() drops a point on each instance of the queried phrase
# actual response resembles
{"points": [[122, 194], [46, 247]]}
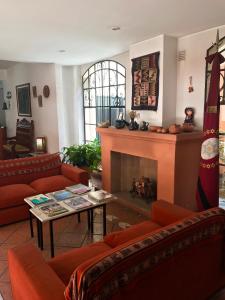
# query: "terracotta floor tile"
{"points": [[3, 251], [70, 239], [5, 276], [3, 267], [5, 290], [5, 233], [18, 237]]}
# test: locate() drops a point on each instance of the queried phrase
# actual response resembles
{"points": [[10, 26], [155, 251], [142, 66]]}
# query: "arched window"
{"points": [[212, 50], [104, 93]]}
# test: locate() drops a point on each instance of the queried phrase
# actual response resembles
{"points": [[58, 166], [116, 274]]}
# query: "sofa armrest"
{"points": [[165, 213], [31, 277], [75, 174]]}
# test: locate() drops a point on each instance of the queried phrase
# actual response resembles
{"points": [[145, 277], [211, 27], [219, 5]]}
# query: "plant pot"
{"points": [[96, 179]]}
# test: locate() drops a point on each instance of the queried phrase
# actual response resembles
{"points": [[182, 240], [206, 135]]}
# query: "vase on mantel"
{"points": [[133, 125]]}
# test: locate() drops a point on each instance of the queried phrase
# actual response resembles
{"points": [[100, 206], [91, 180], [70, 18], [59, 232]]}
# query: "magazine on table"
{"points": [[78, 189], [98, 196], [61, 195], [77, 202], [53, 209], [40, 199]]}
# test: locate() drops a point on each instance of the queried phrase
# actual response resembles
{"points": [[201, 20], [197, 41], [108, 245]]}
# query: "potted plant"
{"points": [[87, 156]]}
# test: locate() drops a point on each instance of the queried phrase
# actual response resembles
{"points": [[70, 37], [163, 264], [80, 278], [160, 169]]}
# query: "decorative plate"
{"points": [[46, 91]]}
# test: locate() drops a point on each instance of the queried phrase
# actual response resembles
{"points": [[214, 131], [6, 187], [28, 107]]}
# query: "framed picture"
{"points": [[34, 89], [40, 104], [23, 100], [145, 82]]}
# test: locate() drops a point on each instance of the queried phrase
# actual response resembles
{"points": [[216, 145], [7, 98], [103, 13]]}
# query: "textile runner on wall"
{"points": [[145, 82], [207, 194]]}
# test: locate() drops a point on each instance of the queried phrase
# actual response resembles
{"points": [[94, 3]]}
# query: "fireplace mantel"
{"points": [[177, 159]]}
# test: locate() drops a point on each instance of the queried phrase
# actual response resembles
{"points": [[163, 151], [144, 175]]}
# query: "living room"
{"points": [[74, 82]]}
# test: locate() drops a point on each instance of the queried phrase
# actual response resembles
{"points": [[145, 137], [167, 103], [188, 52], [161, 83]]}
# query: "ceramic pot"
{"points": [[174, 128]]}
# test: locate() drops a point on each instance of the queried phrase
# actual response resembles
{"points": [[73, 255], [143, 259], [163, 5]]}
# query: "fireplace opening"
{"points": [[134, 179]]}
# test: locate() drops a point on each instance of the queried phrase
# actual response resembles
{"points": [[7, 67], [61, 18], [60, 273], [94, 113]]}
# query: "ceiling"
{"points": [[35, 31]]}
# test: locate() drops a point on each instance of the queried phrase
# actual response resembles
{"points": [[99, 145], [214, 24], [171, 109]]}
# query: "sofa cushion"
{"points": [[14, 194], [119, 237], [28, 169], [163, 213], [66, 263], [51, 184]]}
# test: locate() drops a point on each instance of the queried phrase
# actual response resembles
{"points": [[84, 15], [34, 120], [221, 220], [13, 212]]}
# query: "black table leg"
{"points": [[51, 238], [89, 219], [92, 220], [78, 217], [104, 219], [41, 235], [31, 225], [38, 233]]}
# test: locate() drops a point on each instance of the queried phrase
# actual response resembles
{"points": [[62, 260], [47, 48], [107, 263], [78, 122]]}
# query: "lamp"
{"points": [[40, 144]]}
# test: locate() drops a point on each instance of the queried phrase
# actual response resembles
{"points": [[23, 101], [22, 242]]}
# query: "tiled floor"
{"points": [[68, 234]]}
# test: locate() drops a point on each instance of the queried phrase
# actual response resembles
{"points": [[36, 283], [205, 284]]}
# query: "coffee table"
{"points": [[42, 218]]}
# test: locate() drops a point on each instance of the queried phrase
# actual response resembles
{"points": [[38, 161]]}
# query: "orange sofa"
{"points": [[24, 177], [177, 254]]}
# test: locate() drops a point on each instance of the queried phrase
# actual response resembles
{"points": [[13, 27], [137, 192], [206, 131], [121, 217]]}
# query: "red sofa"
{"points": [[176, 255], [24, 177]]}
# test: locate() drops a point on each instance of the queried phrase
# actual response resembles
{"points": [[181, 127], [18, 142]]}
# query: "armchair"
{"points": [[22, 143]]}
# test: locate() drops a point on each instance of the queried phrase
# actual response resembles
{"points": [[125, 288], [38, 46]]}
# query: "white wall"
{"points": [[170, 80], [3, 75], [69, 105], [194, 65], [45, 118], [167, 80]]}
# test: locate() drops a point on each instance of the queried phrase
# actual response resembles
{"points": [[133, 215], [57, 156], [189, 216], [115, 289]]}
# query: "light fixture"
{"points": [[115, 28], [62, 51], [41, 144]]}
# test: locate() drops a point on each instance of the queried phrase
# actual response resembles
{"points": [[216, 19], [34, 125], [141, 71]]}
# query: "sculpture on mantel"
{"points": [[188, 124], [120, 121], [189, 115], [133, 124], [144, 126]]}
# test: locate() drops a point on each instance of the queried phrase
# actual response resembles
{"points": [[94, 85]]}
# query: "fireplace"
{"points": [[175, 159], [128, 170]]}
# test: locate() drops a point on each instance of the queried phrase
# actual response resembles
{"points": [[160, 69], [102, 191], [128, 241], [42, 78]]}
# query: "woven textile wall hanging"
{"points": [[145, 82]]}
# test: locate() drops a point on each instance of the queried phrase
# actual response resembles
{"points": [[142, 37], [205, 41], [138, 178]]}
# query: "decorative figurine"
{"points": [[133, 124], [144, 126], [189, 112], [120, 122], [188, 124]]}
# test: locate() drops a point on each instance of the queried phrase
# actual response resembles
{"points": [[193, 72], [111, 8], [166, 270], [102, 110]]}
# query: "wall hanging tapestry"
{"points": [[145, 82]]}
